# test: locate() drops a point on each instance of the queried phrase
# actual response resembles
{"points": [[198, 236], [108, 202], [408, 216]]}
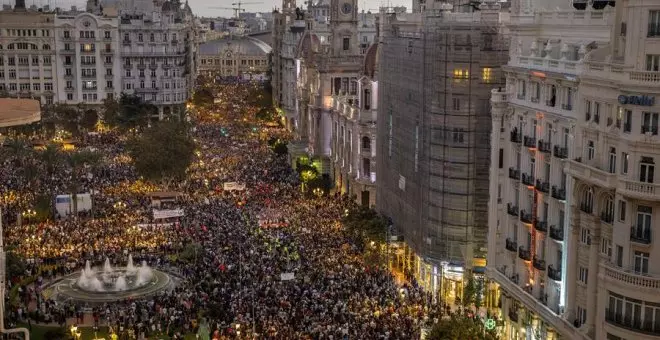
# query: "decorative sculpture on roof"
{"points": [[300, 14]]}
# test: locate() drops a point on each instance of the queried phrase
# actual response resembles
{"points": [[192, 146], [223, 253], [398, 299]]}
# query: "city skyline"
{"points": [[204, 8]]}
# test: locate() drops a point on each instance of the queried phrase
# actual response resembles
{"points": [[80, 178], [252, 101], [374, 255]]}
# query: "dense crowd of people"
{"points": [[234, 282]]}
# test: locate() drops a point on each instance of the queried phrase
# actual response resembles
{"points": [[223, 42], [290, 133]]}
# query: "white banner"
{"points": [[287, 276], [160, 214], [146, 225], [233, 186]]}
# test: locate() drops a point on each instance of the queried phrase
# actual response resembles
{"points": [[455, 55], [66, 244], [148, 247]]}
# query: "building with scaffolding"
{"points": [[436, 71]]}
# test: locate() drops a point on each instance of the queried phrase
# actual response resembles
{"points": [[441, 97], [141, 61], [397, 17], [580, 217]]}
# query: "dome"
{"points": [[371, 60], [247, 46]]}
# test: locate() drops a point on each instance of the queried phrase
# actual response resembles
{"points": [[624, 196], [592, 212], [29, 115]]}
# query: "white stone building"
{"points": [[88, 68], [158, 52], [27, 53], [573, 200]]}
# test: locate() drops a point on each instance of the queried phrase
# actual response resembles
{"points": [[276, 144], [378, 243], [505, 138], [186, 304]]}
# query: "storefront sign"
{"points": [[637, 100]]}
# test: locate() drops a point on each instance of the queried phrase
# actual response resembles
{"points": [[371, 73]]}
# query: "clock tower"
{"points": [[343, 27]]}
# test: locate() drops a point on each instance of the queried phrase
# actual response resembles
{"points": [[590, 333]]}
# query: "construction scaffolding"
{"points": [[437, 69]]}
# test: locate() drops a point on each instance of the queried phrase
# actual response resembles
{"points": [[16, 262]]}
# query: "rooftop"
{"points": [[243, 45], [14, 112]]}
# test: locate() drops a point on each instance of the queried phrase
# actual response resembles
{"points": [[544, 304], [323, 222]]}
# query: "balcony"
{"points": [[607, 217], [639, 190], [560, 152], [632, 324], [526, 217], [557, 233], [153, 66], [542, 186], [528, 180], [88, 76], [516, 137], [524, 254], [591, 174], [512, 209], [68, 76], [126, 42], [142, 66], [529, 142], [551, 102], [567, 107], [107, 51], [513, 315], [650, 130], [88, 63], [521, 96], [88, 89], [511, 245], [545, 147], [514, 173], [538, 263], [558, 193], [541, 226], [534, 100], [640, 235], [630, 280], [554, 274], [67, 51]]}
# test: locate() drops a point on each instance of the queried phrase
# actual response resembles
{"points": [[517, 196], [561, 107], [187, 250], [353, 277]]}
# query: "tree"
{"points": [[67, 117], [163, 152], [51, 157], [280, 148], [77, 161], [191, 252], [15, 265], [89, 119], [130, 112], [460, 326], [203, 97], [366, 225]]}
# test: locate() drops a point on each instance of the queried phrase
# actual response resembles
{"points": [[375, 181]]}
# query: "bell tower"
{"points": [[343, 27]]}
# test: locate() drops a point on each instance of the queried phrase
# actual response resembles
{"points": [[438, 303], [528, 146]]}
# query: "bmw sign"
{"points": [[636, 100]]}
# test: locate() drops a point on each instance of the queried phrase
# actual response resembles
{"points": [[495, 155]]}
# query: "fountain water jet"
{"points": [[120, 284], [130, 267], [144, 274], [107, 268]]}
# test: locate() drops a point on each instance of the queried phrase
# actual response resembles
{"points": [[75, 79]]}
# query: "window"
{"points": [[627, 121], [622, 210], [106, 34], [612, 161], [346, 44], [455, 104], [461, 74], [624, 163], [151, 37], [581, 316], [596, 112], [67, 34], [642, 229], [641, 262], [501, 159], [587, 110], [619, 255], [48, 86], [585, 236], [583, 275], [486, 74], [606, 247], [522, 89], [652, 62], [69, 96], [654, 24], [67, 72], [590, 150], [108, 84], [650, 123], [36, 87], [646, 170], [140, 37]]}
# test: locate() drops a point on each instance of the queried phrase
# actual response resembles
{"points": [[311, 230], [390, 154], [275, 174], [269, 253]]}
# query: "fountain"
{"points": [[130, 267], [107, 268], [107, 283], [120, 284]]}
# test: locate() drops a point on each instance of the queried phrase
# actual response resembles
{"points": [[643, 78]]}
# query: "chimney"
{"points": [[20, 4]]}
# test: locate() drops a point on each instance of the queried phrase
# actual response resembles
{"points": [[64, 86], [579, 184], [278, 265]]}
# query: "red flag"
{"points": [[222, 267]]}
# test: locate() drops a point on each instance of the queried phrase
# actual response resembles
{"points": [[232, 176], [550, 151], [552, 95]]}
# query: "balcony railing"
{"points": [[528, 179], [516, 137], [514, 173], [526, 217], [640, 235], [628, 277], [560, 152], [607, 217], [550, 102], [541, 226], [542, 186], [545, 146], [632, 324], [567, 107], [529, 142], [126, 42], [653, 130], [639, 190], [534, 99], [554, 274], [512, 209], [524, 253], [538, 263], [511, 245], [558, 193], [557, 233]]}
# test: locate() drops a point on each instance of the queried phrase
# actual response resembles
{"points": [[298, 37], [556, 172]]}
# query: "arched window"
{"points": [[46, 47], [366, 143], [587, 203], [607, 215]]}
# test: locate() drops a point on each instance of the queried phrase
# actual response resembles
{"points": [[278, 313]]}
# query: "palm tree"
{"points": [[77, 161], [51, 157]]}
